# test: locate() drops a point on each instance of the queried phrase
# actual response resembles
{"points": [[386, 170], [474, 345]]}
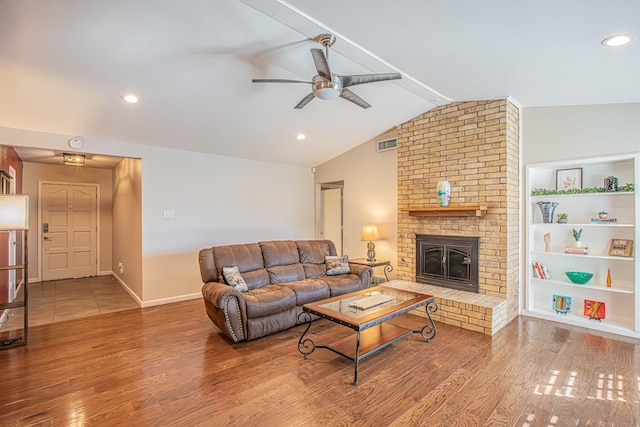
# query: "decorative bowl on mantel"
{"points": [[579, 277]]}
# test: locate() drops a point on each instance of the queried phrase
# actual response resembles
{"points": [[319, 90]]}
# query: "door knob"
{"points": [[47, 238]]}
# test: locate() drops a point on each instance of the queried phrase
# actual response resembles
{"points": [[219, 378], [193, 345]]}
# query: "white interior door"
{"points": [[69, 231]]}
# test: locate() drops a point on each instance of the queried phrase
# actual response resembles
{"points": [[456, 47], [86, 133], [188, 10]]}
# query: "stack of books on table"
{"points": [[576, 250]]}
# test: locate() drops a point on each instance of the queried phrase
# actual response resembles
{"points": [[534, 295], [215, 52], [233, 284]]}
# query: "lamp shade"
{"points": [[370, 232], [14, 212]]}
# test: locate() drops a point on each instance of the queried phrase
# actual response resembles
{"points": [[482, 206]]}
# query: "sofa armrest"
{"points": [[364, 272], [226, 308]]}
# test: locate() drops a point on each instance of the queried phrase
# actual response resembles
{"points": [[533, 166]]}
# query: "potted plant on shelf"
{"points": [[576, 235]]}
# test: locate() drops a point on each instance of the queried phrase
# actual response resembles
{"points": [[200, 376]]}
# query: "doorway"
{"points": [[68, 226], [331, 212]]}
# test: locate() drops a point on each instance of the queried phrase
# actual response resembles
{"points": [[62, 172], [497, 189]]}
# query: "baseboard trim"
{"points": [[155, 302], [170, 300], [128, 289]]}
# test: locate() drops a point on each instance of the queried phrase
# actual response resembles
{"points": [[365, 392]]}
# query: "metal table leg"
{"points": [[306, 346], [428, 332], [387, 269]]}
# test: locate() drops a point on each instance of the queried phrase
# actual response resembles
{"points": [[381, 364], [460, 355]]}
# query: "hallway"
{"points": [[60, 300]]}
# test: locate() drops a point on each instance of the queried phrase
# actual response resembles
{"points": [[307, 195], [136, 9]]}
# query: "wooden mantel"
{"points": [[451, 211]]}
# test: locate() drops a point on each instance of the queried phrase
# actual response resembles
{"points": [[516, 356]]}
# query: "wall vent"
{"points": [[387, 144]]}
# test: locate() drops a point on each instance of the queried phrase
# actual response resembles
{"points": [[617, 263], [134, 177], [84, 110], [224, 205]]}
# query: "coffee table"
{"points": [[366, 312]]}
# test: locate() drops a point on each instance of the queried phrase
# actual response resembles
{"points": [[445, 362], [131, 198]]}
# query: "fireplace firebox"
{"points": [[448, 261]]}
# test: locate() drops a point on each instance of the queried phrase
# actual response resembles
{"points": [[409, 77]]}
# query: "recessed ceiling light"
{"points": [[301, 136], [130, 98], [617, 40]]}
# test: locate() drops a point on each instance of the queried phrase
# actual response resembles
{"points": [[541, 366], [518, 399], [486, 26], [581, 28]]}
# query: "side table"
{"points": [[373, 264]]}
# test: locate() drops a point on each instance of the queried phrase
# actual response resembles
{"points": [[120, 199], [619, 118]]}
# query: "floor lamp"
{"points": [[14, 216]]}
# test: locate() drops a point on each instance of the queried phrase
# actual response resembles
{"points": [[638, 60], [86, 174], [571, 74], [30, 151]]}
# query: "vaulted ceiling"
{"points": [[64, 65]]}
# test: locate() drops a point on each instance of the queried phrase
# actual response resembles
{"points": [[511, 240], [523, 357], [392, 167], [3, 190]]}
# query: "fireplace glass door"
{"points": [[447, 261]]}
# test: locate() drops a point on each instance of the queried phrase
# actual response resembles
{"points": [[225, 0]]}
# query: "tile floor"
{"points": [[60, 300]]}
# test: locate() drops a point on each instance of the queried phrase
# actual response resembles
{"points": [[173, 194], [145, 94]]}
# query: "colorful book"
{"points": [[537, 270]]}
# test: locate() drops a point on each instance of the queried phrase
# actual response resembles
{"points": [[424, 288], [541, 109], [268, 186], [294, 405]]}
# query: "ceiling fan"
{"points": [[327, 85]]}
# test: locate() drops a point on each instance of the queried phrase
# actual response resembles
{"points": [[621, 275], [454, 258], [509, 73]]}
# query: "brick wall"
{"points": [[474, 146]]}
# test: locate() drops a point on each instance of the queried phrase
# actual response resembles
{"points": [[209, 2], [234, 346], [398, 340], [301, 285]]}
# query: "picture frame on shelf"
{"points": [[569, 179], [621, 247], [594, 310], [561, 304]]}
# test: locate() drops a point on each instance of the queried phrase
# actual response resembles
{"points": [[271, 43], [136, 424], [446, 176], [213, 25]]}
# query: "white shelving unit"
{"points": [[622, 299]]}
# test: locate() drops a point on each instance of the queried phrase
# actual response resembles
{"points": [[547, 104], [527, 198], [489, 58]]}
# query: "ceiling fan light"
{"points": [[327, 89], [327, 93]]}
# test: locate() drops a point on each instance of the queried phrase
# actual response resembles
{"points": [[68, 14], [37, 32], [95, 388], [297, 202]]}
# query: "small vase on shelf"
{"points": [[444, 193], [608, 277]]}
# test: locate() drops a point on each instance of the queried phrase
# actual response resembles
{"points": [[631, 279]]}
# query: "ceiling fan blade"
{"points": [[304, 101], [350, 96], [322, 65], [277, 81], [368, 78]]}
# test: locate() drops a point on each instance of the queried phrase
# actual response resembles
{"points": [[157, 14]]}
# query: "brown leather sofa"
{"points": [[281, 276]]}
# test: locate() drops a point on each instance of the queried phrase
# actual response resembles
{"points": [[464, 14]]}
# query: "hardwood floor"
{"points": [[168, 365]]}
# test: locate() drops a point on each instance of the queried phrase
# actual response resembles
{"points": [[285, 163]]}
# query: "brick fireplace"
{"points": [[474, 146]]}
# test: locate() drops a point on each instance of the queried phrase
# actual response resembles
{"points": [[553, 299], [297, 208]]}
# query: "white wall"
{"points": [[557, 133], [127, 226], [370, 195], [216, 199]]}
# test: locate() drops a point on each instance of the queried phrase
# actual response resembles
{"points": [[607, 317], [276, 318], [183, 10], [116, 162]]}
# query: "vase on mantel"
{"points": [[444, 192]]}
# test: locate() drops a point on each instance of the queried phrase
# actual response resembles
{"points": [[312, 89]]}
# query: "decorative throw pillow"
{"points": [[337, 265], [233, 278]]}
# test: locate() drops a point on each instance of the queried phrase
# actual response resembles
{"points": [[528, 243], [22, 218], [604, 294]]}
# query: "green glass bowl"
{"points": [[579, 277]]}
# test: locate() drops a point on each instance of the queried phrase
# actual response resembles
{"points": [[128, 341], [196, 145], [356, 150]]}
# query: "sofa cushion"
{"points": [[337, 265], [248, 258], [313, 271], [233, 278], [309, 290], [269, 300], [313, 251], [286, 273], [279, 252], [342, 284]]}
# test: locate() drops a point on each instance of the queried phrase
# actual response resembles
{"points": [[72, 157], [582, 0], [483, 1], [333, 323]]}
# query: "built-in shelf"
{"points": [[622, 299], [551, 282], [450, 211], [586, 224], [597, 256], [604, 193]]}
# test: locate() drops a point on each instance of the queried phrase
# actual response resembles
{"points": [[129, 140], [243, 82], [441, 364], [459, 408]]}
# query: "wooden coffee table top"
{"points": [[366, 308]]}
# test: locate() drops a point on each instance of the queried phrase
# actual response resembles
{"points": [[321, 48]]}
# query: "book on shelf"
{"points": [[540, 270], [604, 221], [576, 250]]}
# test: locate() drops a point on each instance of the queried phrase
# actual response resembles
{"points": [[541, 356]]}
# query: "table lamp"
{"points": [[370, 233]]}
